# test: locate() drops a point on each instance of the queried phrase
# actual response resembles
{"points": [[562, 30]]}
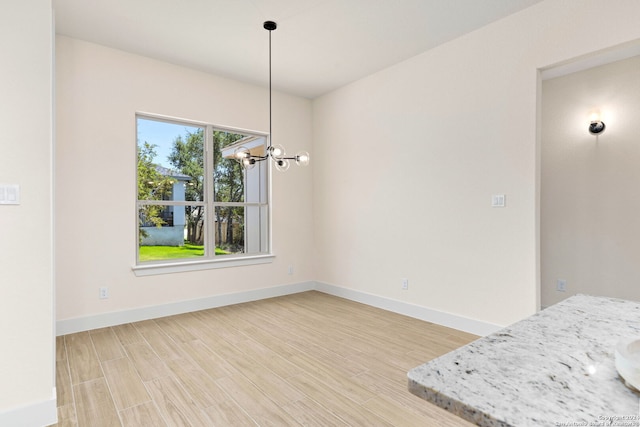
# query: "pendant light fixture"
{"points": [[275, 152]]}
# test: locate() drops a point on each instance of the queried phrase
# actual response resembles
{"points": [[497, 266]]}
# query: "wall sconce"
{"points": [[596, 126]]}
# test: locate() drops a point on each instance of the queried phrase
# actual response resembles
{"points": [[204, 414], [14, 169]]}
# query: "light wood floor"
{"points": [[307, 359]]}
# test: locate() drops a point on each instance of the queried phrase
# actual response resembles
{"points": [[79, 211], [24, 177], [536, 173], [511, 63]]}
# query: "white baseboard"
{"points": [[472, 326], [37, 414], [103, 320]]}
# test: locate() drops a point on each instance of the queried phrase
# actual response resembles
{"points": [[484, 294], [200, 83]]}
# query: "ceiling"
{"points": [[319, 45]]}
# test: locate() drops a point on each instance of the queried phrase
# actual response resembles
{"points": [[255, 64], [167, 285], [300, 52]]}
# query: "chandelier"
{"points": [[275, 152]]}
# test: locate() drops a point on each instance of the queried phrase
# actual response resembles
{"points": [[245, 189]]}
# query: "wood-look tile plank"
{"points": [[94, 405], [174, 403], [333, 378], [347, 313], [127, 334], [213, 322], [107, 345], [278, 390], [213, 337], [213, 340], [309, 340], [289, 341], [399, 415], [331, 354], [83, 360], [61, 349], [273, 340], [228, 413], [171, 326], [192, 324], [125, 384], [98, 330], [311, 414], [64, 389], [329, 341], [332, 399], [459, 338], [162, 344], [395, 385], [210, 362], [147, 363], [393, 339], [269, 358], [143, 415], [381, 366], [361, 342], [67, 416], [259, 407], [200, 386], [232, 317]]}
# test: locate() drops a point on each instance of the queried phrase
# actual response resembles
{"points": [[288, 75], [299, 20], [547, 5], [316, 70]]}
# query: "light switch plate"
{"points": [[9, 194], [498, 201]]}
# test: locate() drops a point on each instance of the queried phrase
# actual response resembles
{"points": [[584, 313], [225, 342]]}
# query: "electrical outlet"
{"points": [[104, 292], [561, 285], [290, 271], [405, 284]]}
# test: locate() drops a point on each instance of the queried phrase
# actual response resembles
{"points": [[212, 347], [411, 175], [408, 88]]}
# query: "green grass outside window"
{"points": [[158, 253]]}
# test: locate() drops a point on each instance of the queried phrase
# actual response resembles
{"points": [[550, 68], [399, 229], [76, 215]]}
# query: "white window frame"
{"points": [[209, 260]]}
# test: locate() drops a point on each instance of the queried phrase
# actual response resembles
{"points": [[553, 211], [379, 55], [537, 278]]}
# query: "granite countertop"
{"points": [[554, 368]]}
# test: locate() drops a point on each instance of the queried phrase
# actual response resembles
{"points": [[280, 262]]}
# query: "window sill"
{"points": [[208, 264]]}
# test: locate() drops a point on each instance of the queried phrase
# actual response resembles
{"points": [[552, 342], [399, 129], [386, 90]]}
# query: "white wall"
{"points": [[26, 264], [99, 91], [590, 203], [406, 161]]}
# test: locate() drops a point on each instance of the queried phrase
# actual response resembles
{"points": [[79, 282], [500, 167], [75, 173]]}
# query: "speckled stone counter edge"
{"points": [[455, 407]]}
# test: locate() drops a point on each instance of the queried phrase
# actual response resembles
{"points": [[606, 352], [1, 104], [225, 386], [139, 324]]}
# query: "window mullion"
{"points": [[210, 244]]}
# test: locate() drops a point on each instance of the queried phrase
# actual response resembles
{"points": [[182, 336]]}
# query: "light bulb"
{"points": [[277, 151], [248, 163], [241, 153], [302, 158], [282, 165]]}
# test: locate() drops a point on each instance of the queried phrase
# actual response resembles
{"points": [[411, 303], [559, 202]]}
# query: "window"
{"points": [[195, 203]]}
